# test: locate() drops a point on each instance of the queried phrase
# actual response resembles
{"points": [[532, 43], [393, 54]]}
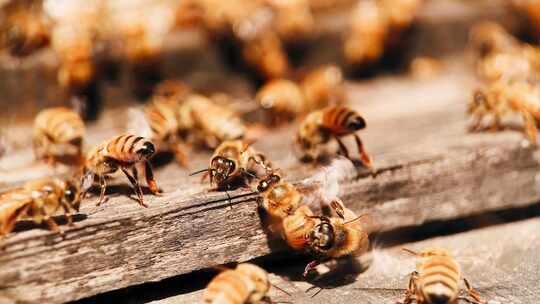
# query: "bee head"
{"points": [[72, 195], [146, 150], [356, 122], [271, 180], [322, 236], [221, 168]]}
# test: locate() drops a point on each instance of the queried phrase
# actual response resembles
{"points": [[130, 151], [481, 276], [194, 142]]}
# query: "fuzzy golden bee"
{"points": [[234, 162], [279, 198], [338, 236], [323, 86], [297, 226], [58, 136], [38, 200], [282, 100], [23, 29], [502, 98], [204, 122], [122, 152], [436, 279], [319, 127], [247, 284]]}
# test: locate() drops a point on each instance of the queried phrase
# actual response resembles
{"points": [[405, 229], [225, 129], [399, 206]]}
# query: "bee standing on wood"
{"points": [[234, 161], [58, 135], [501, 98], [336, 237], [319, 127], [436, 279], [39, 200], [203, 121], [121, 152], [247, 284]]}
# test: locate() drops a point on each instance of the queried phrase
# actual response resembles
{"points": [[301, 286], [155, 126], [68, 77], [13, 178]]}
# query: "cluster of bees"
{"points": [[509, 73]]}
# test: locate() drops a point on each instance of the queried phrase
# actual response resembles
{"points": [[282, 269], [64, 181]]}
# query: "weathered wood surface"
{"points": [[429, 169], [500, 261]]}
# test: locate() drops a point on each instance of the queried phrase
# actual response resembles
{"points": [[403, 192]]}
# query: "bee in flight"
{"points": [[58, 135], [436, 279], [247, 284], [234, 161], [122, 152], [319, 127], [38, 200]]}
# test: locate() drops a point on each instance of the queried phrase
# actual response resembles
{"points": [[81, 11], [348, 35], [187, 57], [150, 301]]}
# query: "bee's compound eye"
{"points": [[356, 122], [262, 186], [147, 149]]}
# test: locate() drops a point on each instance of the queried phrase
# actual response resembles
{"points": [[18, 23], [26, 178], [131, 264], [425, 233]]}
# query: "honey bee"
{"points": [[323, 86], [338, 236], [294, 19], [265, 54], [234, 161], [368, 30], [297, 226], [23, 29], [281, 99], [203, 121], [436, 279], [121, 152], [502, 98], [172, 89], [320, 126], [247, 284], [279, 198], [39, 200], [58, 133]]}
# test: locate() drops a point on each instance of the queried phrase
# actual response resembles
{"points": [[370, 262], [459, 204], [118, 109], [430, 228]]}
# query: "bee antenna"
{"points": [[355, 219], [199, 171], [251, 174], [281, 289], [409, 251]]}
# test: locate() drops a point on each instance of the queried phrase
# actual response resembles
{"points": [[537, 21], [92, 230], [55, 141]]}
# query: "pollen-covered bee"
{"points": [[338, 236], [58, 136], [204, 122], [323, 86], [234, 161], [502, 98], [247, 284], [436, 279], [279, 198], [319, 127], [38, 200], [24, 28], [122, 152], [282, 100]]}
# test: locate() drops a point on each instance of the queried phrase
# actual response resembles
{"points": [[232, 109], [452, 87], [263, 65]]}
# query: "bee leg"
{"points": [[180, 155], [473, 293], [150, 180], [69, 216], [260, 160], [53, 226], [530, 126], [411, 289], [311, 265], [103, 186], [364, 156], [135, 183], [342, 147]]}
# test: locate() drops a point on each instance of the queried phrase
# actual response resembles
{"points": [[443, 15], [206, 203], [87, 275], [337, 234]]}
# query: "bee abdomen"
{"points": [[439, 279], [60, 124], [123, 147], [161, 123], [228, 287], [342, 120]]}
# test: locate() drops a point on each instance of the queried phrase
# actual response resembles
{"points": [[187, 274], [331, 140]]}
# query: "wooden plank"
{"points": [[429, 169]]}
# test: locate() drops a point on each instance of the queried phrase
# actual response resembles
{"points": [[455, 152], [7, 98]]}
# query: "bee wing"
{"points": [[363, 222], [137, 123]]}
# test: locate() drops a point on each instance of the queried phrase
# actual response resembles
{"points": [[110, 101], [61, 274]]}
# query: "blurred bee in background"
{"points": [[172, 89], [188, 13], [339, 236], [247, 284], [38, 200], [323, 86], [488, 37], [366, 37], [265, 53], [501, 98], [202, 121], [320, 126], [280, 199], [24, 28], [282, 101], [436, 279], [293, 19], [531, 8], [58, 136], [234, 161], [122, 152]]}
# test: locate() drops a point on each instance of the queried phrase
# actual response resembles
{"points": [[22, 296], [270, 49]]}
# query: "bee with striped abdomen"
{"points": [[436, 279], [234, 161], [121, 152], [38, 200], [320, 126], [58, 136], [203, 121], [338, 236]]}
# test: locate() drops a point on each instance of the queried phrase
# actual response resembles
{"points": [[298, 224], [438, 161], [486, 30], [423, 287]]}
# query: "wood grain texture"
{"points": [[429, 169]]}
